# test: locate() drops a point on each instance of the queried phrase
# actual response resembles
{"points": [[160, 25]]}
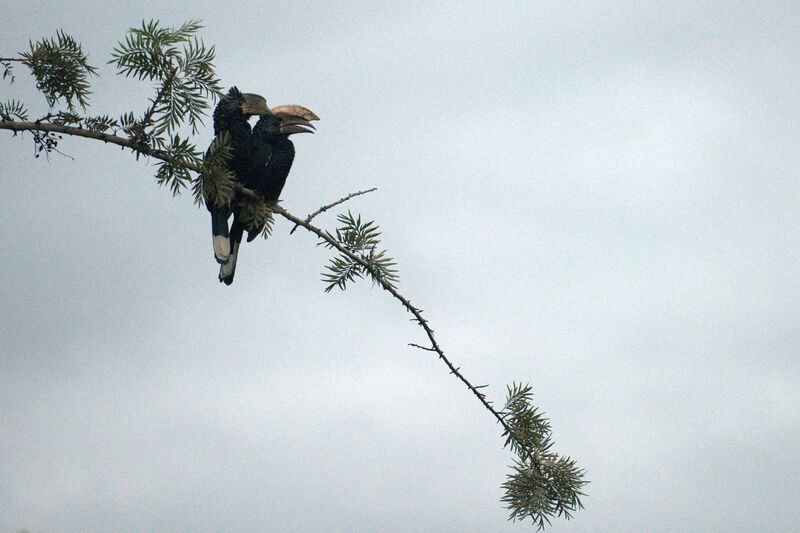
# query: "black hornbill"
{"points": [[271, 160], [231, 115]]}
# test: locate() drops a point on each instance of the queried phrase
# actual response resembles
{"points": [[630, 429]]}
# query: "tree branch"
{"points": [[429, 350], [406, 303], [133, 144], [337, 202], [159, 154]]}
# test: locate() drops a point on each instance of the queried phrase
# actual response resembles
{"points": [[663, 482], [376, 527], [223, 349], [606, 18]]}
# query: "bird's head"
{"points": [[292, 119], [246, 104]]}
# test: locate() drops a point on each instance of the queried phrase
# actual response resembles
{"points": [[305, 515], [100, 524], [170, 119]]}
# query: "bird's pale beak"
{"points": [[254, 104], [295, 119]]}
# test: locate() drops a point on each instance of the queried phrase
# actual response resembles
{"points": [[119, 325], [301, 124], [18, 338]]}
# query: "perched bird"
{"points": [[231, 115], [270, 162]]}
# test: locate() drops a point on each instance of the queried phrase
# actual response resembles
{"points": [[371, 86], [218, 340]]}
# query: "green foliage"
{"points": [[182, 67], [255, 215], [173, 173], [127, 122], [60, 68], [215, 184], [542, 484], [361, 240], [147, 53], [99, 124], [11, 109], [174, 58], [7, 70], [268, 222], [531, 428]]}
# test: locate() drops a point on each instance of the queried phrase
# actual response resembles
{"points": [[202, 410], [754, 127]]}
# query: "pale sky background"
{"points": [[600, 199]]}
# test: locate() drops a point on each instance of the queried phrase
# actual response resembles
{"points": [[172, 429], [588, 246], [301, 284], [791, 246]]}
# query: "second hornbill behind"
{"points": [[271, 159]]}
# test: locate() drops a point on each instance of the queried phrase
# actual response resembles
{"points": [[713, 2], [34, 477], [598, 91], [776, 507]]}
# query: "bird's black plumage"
{"points": [[270, 163], [231, 116], [273, 155]]}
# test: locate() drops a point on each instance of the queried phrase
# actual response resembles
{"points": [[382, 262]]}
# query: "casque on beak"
{"points": [[254, 104], [295, 118]]}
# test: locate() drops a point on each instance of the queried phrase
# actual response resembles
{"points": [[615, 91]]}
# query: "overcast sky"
{"points": [[601, 200]]}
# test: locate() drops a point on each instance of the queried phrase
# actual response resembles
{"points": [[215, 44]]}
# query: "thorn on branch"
{"points": [[422, 347], [332, 204]]}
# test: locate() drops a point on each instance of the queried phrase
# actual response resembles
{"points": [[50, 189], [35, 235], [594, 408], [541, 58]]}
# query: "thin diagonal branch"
{"points": [[406, 303], [333, 204]]}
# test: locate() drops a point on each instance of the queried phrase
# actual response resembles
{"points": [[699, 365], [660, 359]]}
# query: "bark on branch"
{"points": [[125, 142]]}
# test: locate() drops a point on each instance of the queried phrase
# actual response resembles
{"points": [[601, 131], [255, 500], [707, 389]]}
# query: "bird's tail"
{"points": [[219, 231], [228, 268]]}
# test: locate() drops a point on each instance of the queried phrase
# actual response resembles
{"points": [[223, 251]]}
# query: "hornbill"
{"points": [[231, 115], [272, 157]]}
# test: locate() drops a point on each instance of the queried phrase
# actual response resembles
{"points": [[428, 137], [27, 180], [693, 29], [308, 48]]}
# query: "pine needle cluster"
{"points": [[185, 85], [97, 124], [8, 71], [181, 66], [61, 70], [13, 110], [542, 484], [215, 186], [183, 70], [174, 172], [256, 215], [360, 239]]}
